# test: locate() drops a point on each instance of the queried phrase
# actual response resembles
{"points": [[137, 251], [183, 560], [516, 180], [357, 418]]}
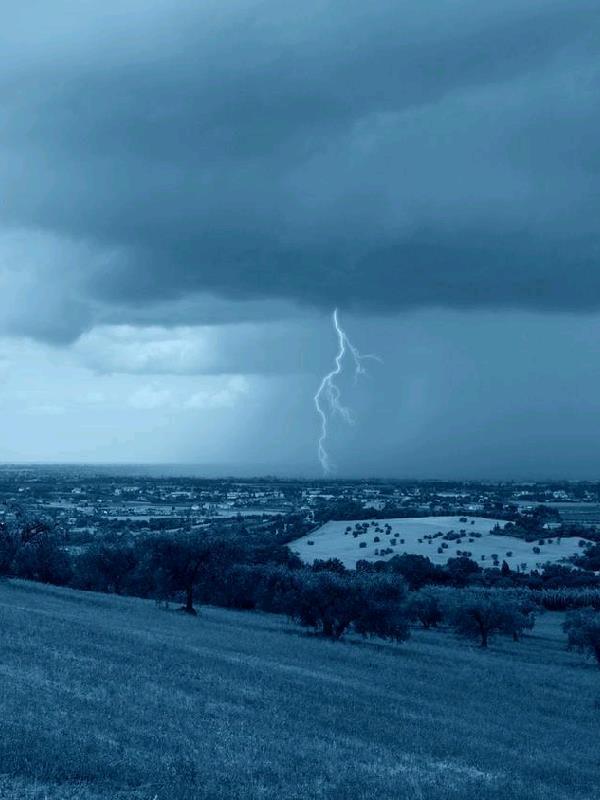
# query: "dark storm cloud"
{"points": [[374, 156]]}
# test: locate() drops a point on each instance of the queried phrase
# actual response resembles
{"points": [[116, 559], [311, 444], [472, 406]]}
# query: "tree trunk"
{"points": [[484, 636], [339, 630], [189, 601]]}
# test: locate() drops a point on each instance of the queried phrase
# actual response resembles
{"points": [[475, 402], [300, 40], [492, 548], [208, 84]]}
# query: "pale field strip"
{"points": [[331, 541]]}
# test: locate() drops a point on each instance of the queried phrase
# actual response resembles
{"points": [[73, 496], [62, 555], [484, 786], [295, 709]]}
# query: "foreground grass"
{"points": [[106, 697]]}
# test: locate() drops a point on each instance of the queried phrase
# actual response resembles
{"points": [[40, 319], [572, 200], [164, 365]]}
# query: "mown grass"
{"points": [[106, 697], [331, 541]]}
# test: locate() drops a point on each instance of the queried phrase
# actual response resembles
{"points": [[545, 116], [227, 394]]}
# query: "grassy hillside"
{"points": [[104, 697], [410, 533]]}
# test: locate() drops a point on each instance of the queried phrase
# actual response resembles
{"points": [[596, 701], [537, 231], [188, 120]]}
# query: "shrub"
{"points": [[275, 588], [33, 549], [329, 565], [416, 569], [331, 604], [525, 617], [105, 568], [583, 632], [362, 544], [383, 611], [9, 544], [590, 559], [322, 601], [238, 588], [42, 558], [186, 566], [460, 569], [425, 607], [479, 614]]}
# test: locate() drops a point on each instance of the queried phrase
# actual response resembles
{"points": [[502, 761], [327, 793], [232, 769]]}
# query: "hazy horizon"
{"points": [[279, 472]]}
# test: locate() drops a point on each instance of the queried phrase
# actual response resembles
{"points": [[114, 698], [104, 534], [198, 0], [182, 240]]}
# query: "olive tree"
{"points": [[480, 614], [583, 632]]}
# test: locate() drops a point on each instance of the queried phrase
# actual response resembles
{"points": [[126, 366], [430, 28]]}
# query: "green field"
{"points": [[106, 697]]}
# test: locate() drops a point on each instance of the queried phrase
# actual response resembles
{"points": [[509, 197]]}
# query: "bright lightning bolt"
{"points": [[328, 396]]}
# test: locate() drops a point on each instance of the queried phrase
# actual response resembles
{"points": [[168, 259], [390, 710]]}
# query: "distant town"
{"points": [[89, 503]]}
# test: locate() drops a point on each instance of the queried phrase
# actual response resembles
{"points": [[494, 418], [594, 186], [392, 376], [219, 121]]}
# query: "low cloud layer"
{"points": [[226, 395], [274, 347], [179, 164]]}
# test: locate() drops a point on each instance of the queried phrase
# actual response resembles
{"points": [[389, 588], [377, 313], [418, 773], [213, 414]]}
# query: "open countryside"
{"points": [[180, 656], [438, 538]]}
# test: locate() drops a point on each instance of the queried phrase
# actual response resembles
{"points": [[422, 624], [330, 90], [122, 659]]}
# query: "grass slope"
{"points": [[106, 697], [330, 541]]}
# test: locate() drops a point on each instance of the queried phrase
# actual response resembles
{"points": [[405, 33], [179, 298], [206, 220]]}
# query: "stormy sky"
{"points": [[189, 189]]}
